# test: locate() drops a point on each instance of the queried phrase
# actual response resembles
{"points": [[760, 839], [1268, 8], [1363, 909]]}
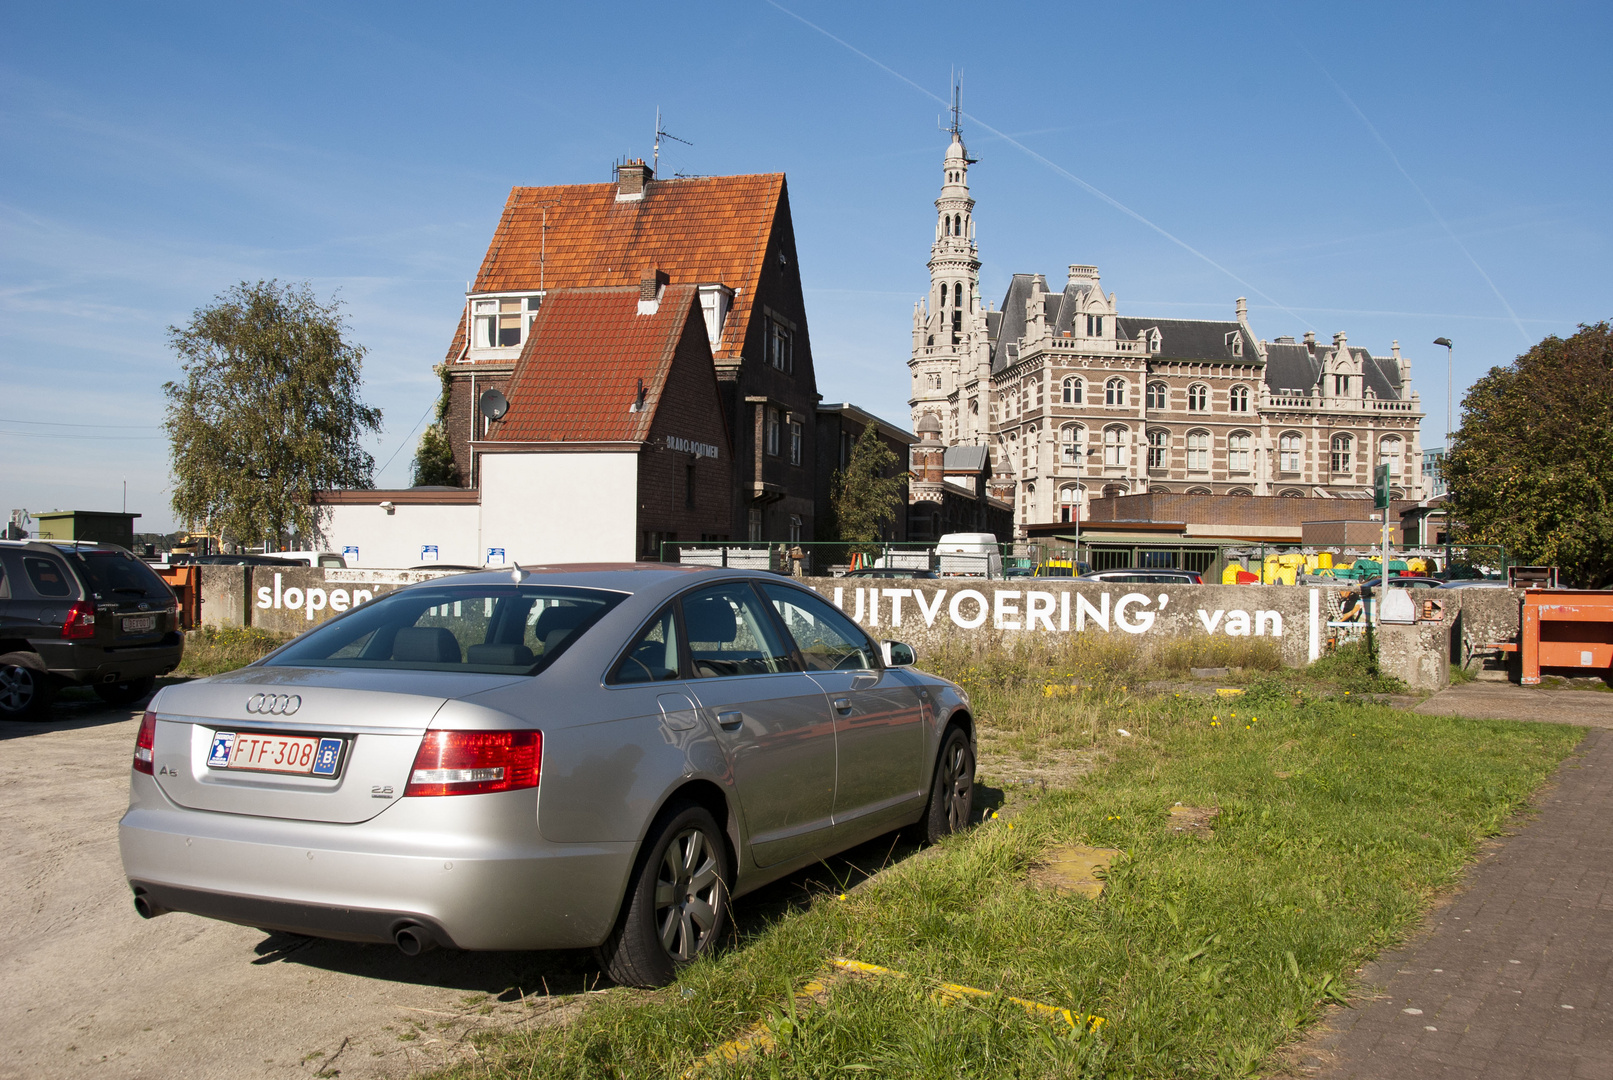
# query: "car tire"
{"points": [[128, 692], [952, 791], [676, 908], [25, 688]]}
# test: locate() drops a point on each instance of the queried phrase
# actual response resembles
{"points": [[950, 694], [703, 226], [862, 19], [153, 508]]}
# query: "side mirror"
{"points": [[897, 654]]}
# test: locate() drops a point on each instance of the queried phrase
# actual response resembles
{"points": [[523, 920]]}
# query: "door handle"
{"points": [[843, 704], [730, 721]]}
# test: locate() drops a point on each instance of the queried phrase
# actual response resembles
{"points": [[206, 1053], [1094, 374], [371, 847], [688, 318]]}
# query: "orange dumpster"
{"points": [[1565, 628], [186, 581]]}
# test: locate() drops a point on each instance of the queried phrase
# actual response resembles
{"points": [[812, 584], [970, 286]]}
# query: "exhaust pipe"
{"points": [[146, 909], [412, 939]]}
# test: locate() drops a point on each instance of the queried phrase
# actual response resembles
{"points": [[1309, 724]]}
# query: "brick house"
{"points": [[731, 240]]}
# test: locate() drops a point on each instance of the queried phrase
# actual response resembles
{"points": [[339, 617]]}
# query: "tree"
{"points": [[865, 496], [1532, 466], [268, 412], [434, 457]]}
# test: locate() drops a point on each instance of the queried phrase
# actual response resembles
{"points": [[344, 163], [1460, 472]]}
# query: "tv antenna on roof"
{"points": [[655, 163]]}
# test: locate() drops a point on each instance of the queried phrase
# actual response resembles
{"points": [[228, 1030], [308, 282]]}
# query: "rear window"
{"points": [[505, 629], [117, 575], [48, 577]]}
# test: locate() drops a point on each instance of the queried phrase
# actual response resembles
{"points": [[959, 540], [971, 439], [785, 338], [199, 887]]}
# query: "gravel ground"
{"points": [[91, 989]]}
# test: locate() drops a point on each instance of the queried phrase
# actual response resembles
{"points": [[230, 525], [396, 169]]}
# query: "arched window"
{"points": [[1238, 451], [1028, 450], [1111, 491], [1290, 447], [1238, 400], [1114, 392], [957, 295], [1070, 503], [1115, 446], [1240, 491], [1389, 453], [1290, 493], [1072, 391], [1198, 398], [1159, 448], [1198, 451], [1343, 454], [1199, 491], [1158, 395], [1072, 440]]}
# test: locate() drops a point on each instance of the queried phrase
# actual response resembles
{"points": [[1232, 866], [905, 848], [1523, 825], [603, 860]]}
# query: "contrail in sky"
{"points": [[1067, 174], [1420, 193]]}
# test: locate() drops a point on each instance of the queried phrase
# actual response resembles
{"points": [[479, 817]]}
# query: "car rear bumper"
{"points": [[434, 862], [88, 663]]}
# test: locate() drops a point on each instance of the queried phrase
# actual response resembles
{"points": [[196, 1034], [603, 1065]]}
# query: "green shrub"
{"points": [[213, 650]]}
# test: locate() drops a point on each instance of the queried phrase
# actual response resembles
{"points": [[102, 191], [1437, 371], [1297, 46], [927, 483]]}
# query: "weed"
{"points": [[213, 650]]}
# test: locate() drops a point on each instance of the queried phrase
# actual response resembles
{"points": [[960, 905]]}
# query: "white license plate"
{"points": [[265, 751], [139, 624]]}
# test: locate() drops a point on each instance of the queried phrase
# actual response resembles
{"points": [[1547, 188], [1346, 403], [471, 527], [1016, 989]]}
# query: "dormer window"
{"points": [[501, 322], [715, 302], [1235, 343], [1094, 326], [1341, 384], [1154, 342]]}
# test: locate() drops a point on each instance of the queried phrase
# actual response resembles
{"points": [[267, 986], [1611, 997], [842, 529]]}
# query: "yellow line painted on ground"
{"points": [[759, 1038]]}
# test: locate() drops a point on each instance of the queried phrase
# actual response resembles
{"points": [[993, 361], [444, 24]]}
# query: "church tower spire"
{"points": [[949, 326]]}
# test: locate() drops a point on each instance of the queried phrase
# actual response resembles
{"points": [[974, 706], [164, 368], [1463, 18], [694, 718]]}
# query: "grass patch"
{"points": [[1338, 824], [213, 650]]}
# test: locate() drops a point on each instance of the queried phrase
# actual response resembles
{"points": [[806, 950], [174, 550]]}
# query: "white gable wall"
{"points": [[397, 540], [560, 507]]}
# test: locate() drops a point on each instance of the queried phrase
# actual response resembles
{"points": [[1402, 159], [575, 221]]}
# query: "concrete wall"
{"points": [[398, 539], [963, 611], [287, 599], [550, 508]]}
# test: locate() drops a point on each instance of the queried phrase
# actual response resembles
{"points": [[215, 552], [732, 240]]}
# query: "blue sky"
{"points": [[1388, 170]]}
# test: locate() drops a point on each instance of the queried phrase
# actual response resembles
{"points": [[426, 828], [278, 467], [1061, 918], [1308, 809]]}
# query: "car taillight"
{"points": [[80, 621], [145, 743], [475, 762]]}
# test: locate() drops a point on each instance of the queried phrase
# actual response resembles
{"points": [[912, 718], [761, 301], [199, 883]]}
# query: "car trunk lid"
{"points": [[367, 724]]}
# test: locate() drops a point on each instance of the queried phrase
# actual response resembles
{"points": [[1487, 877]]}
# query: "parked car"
{"points": [[1477, 583], [572, 758], [243, 559], [329, 560], [84, 614], [1145, 576], [1367, 585]]}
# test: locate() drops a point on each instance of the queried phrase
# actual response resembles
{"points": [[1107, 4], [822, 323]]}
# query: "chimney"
{"points": [[1243, 310], [632, 179], [650, 286], [1310, 342], [1079, 273], [1339, 341]]}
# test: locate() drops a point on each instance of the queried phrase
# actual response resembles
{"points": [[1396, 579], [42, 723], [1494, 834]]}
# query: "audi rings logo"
{"points": [[273, 704]]}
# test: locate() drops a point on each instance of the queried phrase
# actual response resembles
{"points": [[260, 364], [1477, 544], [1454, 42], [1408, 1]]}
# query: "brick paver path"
{"points": [[1515, 978]]}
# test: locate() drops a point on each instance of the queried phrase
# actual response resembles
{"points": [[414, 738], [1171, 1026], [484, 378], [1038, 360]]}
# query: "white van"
{"points": [[969, 555]]}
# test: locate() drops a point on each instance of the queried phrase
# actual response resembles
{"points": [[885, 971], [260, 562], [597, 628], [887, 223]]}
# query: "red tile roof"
{"points": [[579, 371], [699, 232]]}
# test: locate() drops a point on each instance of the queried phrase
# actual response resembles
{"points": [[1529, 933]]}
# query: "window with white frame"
{"points": [[1072, 391], [772, 433], [1094, 326], [501, 322], [1158, 395], [1070, 503], [1198, 398], [1115, 446], [1290, 451], [795, 442], [1114, 392], [1159, 448], [1071, 437], [1343, 454], [1198, 451], [1239, 451], [1389, 450], [1238, 400]]}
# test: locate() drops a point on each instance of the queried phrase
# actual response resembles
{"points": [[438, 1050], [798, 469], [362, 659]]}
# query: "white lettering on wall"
{"points": [[1006, 608], [1145, 619], [689, 446], [310, 600], [982, 609]]}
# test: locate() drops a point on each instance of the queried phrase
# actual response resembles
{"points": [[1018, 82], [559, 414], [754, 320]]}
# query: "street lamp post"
{"points": [[1449, 385]]}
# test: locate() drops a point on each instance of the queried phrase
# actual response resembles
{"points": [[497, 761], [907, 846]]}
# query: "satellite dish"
{"points": [[493, 404]]}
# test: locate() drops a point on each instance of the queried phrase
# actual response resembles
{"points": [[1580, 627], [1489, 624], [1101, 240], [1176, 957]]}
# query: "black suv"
{"points": [[90, 614]]}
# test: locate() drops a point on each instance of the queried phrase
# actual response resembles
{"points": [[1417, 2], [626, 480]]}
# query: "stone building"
{"points": [[1075, 401]]}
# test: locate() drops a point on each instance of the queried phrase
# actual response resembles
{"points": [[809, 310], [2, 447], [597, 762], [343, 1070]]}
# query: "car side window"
{"points": [[730, 633], [826, 639], [653, 656], [47, 577]]}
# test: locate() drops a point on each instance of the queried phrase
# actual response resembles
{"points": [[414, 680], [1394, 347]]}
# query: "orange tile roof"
{"points": [[699, 232], [579, 371]]}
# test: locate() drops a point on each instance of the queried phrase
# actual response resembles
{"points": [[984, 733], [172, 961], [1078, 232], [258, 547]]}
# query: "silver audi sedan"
{"points": [[552, 757]]}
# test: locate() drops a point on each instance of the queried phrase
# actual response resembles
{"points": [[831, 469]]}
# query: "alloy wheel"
{"points": [[959, 780], [18, 686], [688, 894]]}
